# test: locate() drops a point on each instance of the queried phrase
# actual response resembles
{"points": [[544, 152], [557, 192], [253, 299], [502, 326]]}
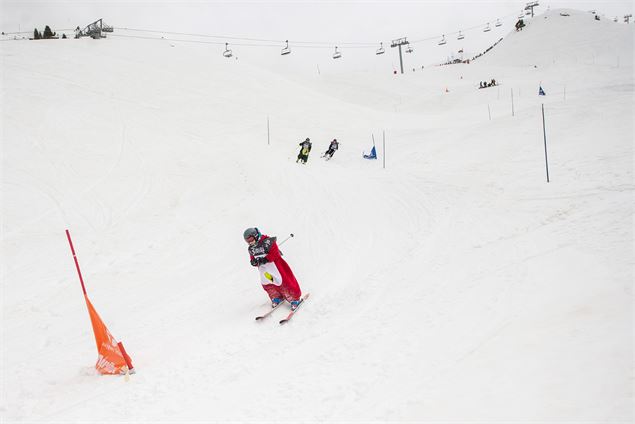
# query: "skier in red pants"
{"points": [[275, 274]]}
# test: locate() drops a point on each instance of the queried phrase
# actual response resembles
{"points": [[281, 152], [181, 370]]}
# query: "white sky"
{"points": [[336, 21], [331, 22]]}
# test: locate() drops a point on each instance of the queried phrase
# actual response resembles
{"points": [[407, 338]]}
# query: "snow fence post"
{"points": [[544, 133]]}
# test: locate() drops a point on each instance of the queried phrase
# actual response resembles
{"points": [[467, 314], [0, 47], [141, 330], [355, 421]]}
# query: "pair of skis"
{"points": [[289, 316]]}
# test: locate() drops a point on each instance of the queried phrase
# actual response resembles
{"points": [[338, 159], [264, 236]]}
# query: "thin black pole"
{"points": [[282, 242], [384, 145], [544, 133]]}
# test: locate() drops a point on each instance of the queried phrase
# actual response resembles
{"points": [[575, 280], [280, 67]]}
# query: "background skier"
{"points": [[305, 148], [275, 274], [332, 148]]}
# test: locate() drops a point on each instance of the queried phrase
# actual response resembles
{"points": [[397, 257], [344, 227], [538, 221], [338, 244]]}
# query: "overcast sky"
{"points": [[301, 20], [331, 22]]}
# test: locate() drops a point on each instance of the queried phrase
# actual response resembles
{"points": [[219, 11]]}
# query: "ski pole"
{"points": [[282, 242]]}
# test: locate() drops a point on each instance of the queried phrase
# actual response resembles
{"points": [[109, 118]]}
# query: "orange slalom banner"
{"points": [[112, 357]]}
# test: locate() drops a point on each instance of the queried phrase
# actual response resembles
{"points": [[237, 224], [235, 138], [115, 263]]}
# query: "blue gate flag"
{"points": [[372, 155]]}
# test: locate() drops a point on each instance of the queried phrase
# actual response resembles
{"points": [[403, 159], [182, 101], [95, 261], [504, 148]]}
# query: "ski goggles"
{"points": [[251, 240]]}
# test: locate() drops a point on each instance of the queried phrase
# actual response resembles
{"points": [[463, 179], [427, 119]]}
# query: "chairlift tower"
{"points": [[530, 7], [398, 43]]}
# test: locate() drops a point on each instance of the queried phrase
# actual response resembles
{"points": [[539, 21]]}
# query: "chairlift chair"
{"points": [[442, 42], [498, 22], [227, 52], [487, 28], [461, 36], [380, 50], [286, 49], [409, 49], [337, 54]]}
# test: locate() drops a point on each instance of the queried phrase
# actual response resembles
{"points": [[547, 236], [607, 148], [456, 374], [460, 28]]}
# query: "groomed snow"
{"points": [[455, 285]]}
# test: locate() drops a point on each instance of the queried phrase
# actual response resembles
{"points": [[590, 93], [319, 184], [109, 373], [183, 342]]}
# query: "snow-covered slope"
{"points": [[564, 37], [455, 284]]}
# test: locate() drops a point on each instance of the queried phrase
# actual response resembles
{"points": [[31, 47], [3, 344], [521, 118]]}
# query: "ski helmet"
{"points": [[252, 232], [307, 139]]}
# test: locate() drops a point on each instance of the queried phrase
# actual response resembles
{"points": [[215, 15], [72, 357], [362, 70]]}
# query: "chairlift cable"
{"points": [[463, 30], [224, 37], [260, 42], [228, 37], [233, 44], [311, 44]]}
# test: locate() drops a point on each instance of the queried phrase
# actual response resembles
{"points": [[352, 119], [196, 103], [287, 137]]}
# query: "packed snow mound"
{"points": [[565, 36]]}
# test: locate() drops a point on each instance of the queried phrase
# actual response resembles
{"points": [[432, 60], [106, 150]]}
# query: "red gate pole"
{"points": [[126, 358], [81, 280]]}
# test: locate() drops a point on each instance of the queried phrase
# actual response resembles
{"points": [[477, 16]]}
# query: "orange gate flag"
{"points": [[112, 358]]}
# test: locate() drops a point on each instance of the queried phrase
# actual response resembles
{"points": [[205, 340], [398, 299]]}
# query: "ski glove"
{"points": [[259, 261]]}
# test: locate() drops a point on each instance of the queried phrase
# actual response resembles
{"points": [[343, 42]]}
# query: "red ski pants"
{"points": [[287, 293]]}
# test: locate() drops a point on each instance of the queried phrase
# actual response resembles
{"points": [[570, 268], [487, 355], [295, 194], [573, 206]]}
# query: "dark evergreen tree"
{"points": [[63, 35], [48, 33], [36, 34]]}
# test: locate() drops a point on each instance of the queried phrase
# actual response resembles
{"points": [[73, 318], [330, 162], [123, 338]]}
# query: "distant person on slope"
{"points": [[332, 148], [305, 149], [519, 25], [276, 276]]}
